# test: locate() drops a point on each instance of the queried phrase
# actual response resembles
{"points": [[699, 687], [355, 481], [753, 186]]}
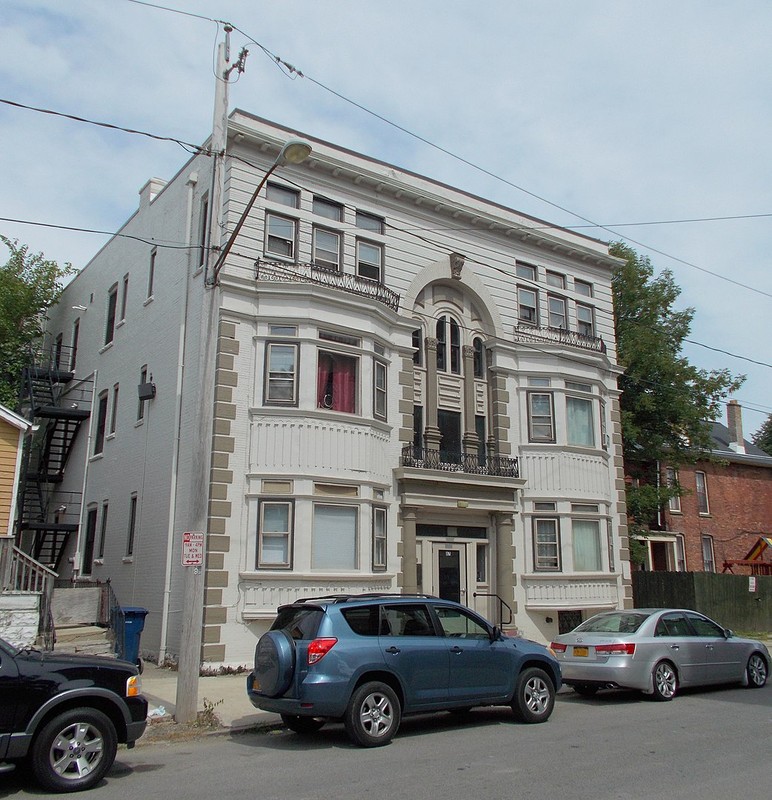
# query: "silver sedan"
{"points": [[657, 651]]}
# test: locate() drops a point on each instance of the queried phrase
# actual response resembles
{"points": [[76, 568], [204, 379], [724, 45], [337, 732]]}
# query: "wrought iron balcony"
{"points": [[278, 272], [531, 333], [449, 461]]}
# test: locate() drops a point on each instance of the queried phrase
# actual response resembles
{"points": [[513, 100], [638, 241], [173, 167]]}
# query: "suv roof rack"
{"points": [[345, 598]]}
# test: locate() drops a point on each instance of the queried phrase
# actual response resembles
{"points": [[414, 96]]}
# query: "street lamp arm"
{"points": [[293, 152], [212, 281]]}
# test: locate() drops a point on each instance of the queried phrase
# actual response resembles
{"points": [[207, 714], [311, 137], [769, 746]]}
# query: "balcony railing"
{"points": [[447, 461], [528, 333], [311, 273]]}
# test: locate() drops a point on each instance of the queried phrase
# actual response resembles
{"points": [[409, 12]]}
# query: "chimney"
{"points": [[149, 191], [734, 420]]}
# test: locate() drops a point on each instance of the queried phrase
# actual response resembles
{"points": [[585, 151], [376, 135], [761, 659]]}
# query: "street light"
{"points": [[293, 152]]}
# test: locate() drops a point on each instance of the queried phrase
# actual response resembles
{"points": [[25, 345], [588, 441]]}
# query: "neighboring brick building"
{"points": [[724, 511]]}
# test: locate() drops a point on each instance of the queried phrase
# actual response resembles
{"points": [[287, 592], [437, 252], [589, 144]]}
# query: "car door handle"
{"points": [[456, 649], [708, 646], [675, 646], [393, 650]]}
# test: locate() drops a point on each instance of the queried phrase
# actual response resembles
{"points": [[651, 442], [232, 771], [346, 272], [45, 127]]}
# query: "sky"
{"points": [[650, 119]]}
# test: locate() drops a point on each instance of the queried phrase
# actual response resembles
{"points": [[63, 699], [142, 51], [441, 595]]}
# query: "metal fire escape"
{"points": [[57, 405]]}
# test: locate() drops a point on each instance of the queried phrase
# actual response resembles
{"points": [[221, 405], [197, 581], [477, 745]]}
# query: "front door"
{"points": [[450, 572]]}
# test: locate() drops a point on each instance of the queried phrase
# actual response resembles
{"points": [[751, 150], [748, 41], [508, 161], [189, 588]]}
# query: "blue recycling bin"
{"points": [[133, 625]]}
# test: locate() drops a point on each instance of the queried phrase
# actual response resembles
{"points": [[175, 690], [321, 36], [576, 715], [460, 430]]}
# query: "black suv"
{"points": [[66, 714], [369, 659]]}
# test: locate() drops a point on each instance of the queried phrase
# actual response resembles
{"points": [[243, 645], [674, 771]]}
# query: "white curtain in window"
{"points": [[580, 427], [586, 546], [335, 529]]}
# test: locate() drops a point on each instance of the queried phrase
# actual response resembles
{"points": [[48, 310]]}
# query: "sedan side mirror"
{"points": [[728, 633]]}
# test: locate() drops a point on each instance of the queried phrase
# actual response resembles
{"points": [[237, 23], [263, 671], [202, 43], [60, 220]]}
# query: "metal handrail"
{"points": [[452, 461], [532, 333], [502, 605]]}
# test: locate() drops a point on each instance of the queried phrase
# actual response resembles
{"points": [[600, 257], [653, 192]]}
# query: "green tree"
{"points": [[666, 402], [763, 436], [29, 285]]}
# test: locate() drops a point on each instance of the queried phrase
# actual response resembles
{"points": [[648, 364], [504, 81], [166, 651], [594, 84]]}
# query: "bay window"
{"points": [[587, 550], [334, 537], [580, 429], [274, 535], [281, 374]]}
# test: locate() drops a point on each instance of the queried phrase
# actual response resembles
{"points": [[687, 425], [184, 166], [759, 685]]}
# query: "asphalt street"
{"points": [[616, 746]]}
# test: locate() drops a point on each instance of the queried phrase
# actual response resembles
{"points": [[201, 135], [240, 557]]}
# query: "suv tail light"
{"points": [[615, 649], [319, 648]]}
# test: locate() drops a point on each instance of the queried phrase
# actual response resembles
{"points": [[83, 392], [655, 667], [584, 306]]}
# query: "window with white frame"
{"points": [[141, 403], [708, 555], [337, 379], [132, 525], [327, 208], [448, 345], [103, 530], [282, 195], [527, 306], [334, 537], [541, 417], [557, 312], [587, 545], [124, 297], [369, 260], [701, 480], [112, 308], [546, 544], [326, 246], [418, 348], [379, 538], [369, 222], [281, 374], [74, 348], [585, 320], [583, 288], [274, 534], [525, 271], [280, 235], [680, 549], [671, 479], [556, 279], [379, 389], [151, 274], [203, 231], [580, 428], [114, 413], [99, 435], [478, 362]]}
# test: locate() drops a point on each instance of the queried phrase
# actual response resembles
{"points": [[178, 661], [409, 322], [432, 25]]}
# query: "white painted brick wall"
{"points": [[19, 618]]}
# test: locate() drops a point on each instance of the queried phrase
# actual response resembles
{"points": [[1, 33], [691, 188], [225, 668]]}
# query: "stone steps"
{"points": [[85, 639]]}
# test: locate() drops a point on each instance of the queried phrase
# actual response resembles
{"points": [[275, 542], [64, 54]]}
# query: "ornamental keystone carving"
{"points": [[456, 265]]}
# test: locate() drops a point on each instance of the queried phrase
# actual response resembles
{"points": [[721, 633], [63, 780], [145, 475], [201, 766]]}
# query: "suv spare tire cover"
{"points": [[275, 662]]}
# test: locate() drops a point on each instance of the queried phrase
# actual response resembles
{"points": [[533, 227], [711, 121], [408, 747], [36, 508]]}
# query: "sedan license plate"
{"points": [[581, 651]]}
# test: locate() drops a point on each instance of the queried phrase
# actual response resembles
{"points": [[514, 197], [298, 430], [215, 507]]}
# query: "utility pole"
{"points": [[189, 666]]}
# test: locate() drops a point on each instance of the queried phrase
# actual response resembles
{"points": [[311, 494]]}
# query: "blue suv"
{"points": [[369, 659]]}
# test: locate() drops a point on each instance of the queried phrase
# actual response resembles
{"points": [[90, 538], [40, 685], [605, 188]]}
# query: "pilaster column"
{"points": [[432, 432], [505, 561], [409, 559], [470, 438]]}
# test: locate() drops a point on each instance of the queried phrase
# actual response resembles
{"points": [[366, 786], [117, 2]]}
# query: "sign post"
{"points": [[186, 705]]}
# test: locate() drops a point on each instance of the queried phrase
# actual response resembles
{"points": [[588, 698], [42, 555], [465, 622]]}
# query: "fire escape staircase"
{"points": [[47, 515]]}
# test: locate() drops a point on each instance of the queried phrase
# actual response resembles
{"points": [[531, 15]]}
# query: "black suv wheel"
{"points": [[534, 696], [74, 750]]}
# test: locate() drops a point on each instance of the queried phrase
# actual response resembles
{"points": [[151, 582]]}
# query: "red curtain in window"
{"points": [[336, 383], [344, 385]]}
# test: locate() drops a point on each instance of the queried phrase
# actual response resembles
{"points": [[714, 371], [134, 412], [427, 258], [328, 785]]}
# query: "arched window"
{"points": [[479, 360], [448, 338], [417, 348]]}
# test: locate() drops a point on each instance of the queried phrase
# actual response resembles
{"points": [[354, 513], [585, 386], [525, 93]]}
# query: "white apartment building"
{"points": [[390, 385]]}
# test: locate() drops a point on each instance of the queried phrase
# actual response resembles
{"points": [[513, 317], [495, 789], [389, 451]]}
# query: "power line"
{"points": [[151, 241], [188, 146], [294, 71]]}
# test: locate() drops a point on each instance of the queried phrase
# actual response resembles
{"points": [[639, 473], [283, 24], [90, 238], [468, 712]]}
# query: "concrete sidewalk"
{"points": [[223, 696]]}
